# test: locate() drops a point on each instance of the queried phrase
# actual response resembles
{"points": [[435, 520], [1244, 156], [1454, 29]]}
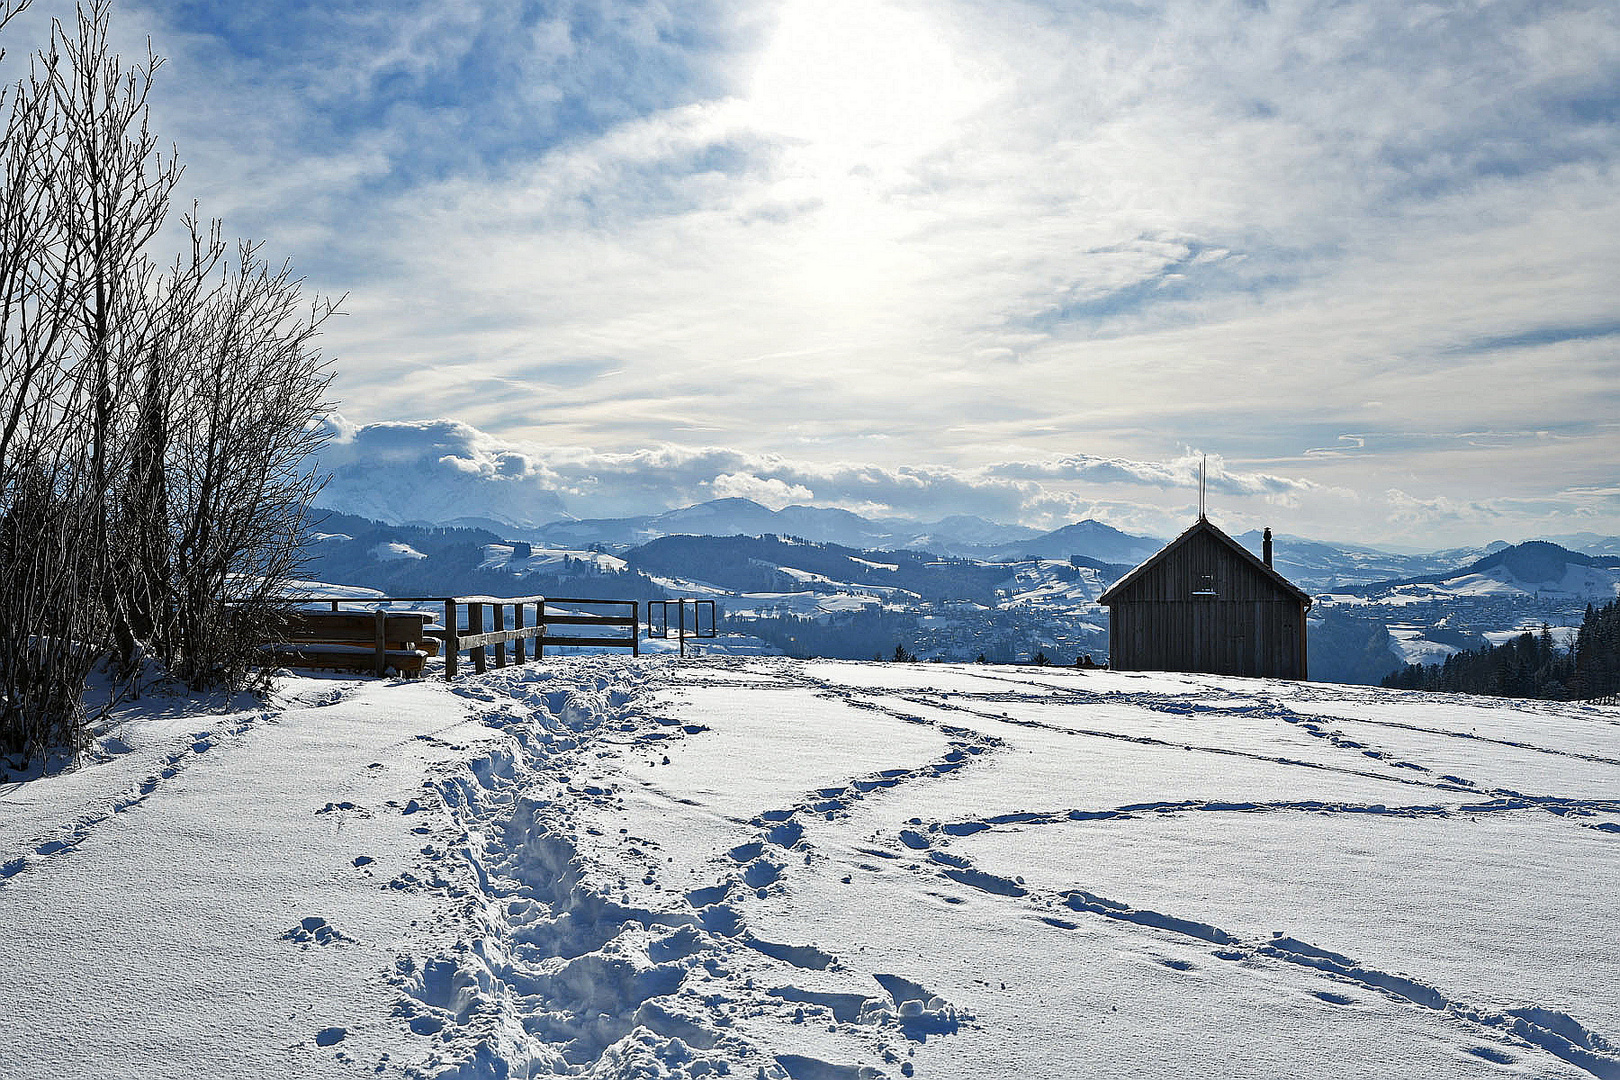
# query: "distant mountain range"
{"points": [[1357, 630], [962, 535], [1588, 543], [1090, 539], [1374, 610], [958, 535], [1314, 565]]}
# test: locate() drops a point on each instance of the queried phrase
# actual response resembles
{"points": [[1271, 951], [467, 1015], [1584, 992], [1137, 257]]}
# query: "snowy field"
{"points": [[760, 867]]}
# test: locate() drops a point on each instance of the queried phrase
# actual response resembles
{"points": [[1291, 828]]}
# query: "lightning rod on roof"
{"points": [[1203, 471]]}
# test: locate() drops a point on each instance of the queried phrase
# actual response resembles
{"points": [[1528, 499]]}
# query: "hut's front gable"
{"points": [[1202, 569]]}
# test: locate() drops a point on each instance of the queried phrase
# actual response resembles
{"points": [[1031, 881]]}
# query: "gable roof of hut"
{"points": [[1116, 591]]}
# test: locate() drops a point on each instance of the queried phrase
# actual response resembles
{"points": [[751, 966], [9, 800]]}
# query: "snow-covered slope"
{"points": [[1586, 584], [389, 551], [1060, 586], [1410, 645], [1536, 569], [502, 557], [802, 871]]}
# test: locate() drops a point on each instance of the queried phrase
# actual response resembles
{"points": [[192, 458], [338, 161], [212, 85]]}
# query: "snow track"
{"points": [[1548, 1029], [629, 911], [1151, 702], [563, 962], [1572, 809], [184, 753], [926, 844], [780, 870]]}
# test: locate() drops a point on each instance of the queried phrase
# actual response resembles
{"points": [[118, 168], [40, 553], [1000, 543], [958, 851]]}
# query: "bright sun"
{"points": [[854, 94], [861, 83]]}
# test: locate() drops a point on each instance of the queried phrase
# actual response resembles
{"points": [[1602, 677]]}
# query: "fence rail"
{"points": [[465, 629], [659, 620]]}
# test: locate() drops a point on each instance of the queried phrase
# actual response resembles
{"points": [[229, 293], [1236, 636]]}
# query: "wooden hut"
{"points": [[1206, 603]]}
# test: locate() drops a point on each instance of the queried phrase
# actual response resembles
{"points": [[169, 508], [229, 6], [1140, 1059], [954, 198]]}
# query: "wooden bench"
{"points": [[375, 642]]}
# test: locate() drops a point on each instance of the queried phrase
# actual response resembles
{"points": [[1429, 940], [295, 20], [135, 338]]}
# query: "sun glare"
{"points": [[861, 83], [856, 93]]}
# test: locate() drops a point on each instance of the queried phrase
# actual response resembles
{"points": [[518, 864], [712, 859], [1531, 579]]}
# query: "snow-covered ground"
{"points": [[760, 867], [392, 549], [1047, 583], [546, 560], [1408, 643]]}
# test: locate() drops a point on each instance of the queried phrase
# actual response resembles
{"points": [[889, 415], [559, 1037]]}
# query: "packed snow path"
{"points": [[769, 868]]}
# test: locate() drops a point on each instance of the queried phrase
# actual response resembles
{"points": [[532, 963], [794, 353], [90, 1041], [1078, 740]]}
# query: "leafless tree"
{"points": [[154, 427], [245, 422], [116, 190], [49, 614]]}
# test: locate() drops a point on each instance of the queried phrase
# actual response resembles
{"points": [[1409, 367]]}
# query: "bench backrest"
{"points": [[356, 626]]}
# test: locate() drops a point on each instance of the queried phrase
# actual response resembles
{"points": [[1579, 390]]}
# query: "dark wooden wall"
{"points": [[1249, 627]]}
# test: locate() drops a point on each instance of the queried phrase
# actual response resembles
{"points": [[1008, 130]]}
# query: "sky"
{"points": [[1023, 260]]}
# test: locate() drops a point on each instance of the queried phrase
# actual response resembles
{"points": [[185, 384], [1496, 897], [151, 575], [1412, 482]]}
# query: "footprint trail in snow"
{"points": [[659, 870]]}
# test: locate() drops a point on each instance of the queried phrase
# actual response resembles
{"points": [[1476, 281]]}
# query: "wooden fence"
{"points": [[501, 628]]}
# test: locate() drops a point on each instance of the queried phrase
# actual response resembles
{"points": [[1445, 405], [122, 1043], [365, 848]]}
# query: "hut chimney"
{"points": [[1265, 547]]}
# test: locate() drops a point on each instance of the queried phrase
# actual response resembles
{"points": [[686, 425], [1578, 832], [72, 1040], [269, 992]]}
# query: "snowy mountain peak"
{"points": [[1088, 537]]}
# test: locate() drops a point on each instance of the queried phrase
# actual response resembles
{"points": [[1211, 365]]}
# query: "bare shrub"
{"points": [[154, 427], [252, 389]]}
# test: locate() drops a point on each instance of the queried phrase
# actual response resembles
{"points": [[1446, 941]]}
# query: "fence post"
{"points": [[517, 624], [475, 627], [635, 628], [334, 605], [452, 638], [382, 641], [540, 629], [499, 611]]}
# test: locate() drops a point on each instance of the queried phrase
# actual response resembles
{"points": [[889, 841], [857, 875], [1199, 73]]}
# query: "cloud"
{"points": [[433, 471], [1563, 511], [773, 493], [1410, 513], [442, 469], [1182, 472], [1347, 444], [903, 255]]}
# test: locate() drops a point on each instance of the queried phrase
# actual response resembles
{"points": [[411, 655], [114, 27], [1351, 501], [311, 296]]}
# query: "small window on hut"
{"points": [[1204, 586]]}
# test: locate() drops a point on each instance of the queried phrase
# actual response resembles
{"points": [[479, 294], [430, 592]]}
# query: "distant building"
{"points": [[1205, 603]]}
